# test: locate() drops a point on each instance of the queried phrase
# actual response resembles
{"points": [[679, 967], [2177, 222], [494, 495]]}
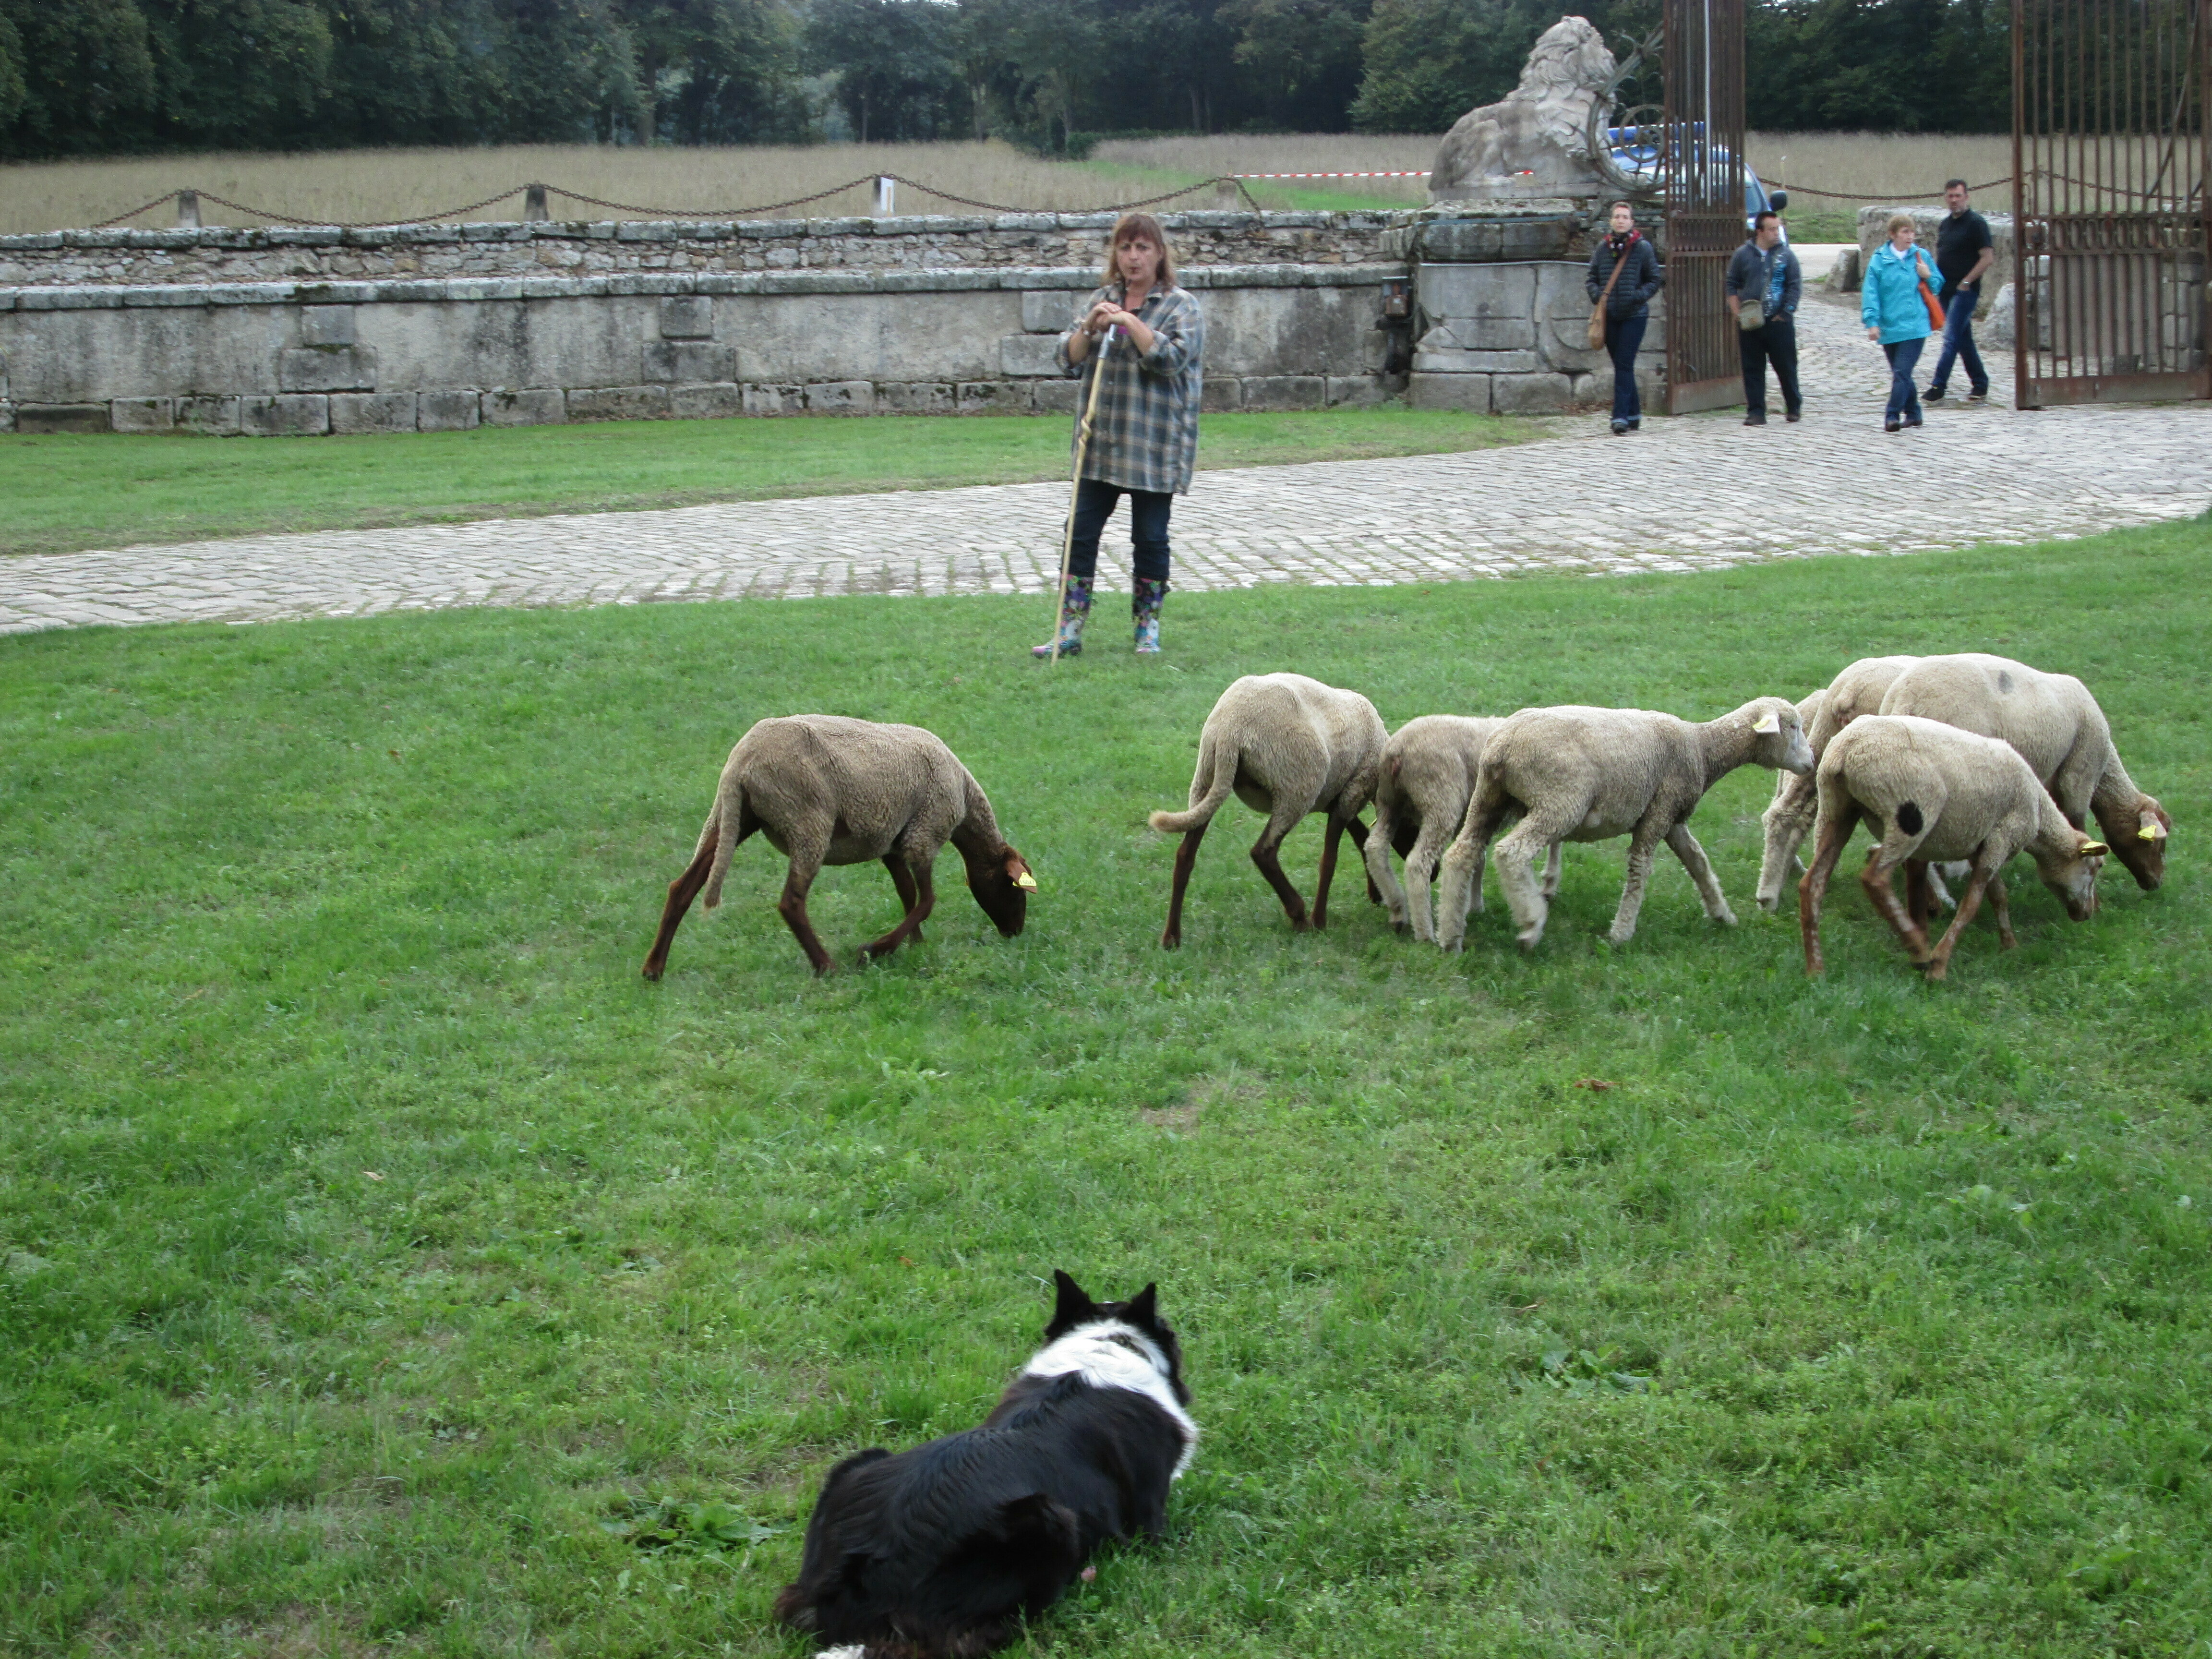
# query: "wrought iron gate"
{"points": [[2109, 161], [1701, 166]]}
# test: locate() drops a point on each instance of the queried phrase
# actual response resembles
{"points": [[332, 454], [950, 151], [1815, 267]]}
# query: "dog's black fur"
{"points": [[940, 1552]]}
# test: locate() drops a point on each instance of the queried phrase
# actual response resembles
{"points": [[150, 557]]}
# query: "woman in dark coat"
{"points": [[1627, 308]]}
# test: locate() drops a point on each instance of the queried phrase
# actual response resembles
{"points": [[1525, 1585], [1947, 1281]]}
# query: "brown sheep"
{"points": [[825, 789]]}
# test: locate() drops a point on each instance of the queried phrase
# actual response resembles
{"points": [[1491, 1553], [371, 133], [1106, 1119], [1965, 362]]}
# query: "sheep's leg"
{"points": [[1996, 892], [1701, 872], [920, 897], [1918, 898], [1186, 856], [1460, 873], [1939, 961], [1834, 838], [1382, 880], [1551, 888], [1264, 854], [681, 892], [1330, 838], [1524, 897], [1875, 878], [1359, 834], [791, 907], [1642, 847], [1420, 871]]}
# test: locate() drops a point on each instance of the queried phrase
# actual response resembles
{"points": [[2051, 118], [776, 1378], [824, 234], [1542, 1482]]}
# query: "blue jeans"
{"points": [[1958, 345], [1624, 338], [1904, 395], [1148, 528]]}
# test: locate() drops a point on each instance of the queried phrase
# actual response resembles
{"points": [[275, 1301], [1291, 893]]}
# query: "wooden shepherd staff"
{"points": [[1075, 484]]}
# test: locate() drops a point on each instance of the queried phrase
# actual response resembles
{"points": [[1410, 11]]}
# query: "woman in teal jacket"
{"points": [[1894, 314]]}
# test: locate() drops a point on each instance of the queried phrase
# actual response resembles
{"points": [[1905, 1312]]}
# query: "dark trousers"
{"points": [[1148, 528], [1958, 345], [1624, 338], [1904, 396], [1774, 341]]}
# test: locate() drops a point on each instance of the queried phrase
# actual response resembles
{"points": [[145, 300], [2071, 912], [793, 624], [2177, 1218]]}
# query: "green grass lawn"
{"points": [[374, 1243], [59, 494]]}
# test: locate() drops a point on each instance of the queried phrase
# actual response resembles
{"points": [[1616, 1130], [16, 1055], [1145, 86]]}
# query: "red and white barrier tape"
{"points": [[1423, 173]]}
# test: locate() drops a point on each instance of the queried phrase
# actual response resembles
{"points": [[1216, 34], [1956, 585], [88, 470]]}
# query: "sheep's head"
{"points": [[1002, 884], [2071, 874], [1778, 738], [2138, 836]]}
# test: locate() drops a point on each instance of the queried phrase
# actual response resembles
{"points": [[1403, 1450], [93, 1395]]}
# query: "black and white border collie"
{"points": [[941, 1552]]}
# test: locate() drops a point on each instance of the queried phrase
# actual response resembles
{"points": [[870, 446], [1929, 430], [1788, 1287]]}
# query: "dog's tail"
{"points": [[1209, 786]]}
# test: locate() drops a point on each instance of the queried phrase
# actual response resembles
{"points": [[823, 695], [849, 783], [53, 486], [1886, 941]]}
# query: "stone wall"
{"points": [[1507, 338], [1013, 241], [356, 356]]}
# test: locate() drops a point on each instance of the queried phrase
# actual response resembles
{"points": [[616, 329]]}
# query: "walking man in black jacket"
{"points": [[1765, 282], [1964, 251]]}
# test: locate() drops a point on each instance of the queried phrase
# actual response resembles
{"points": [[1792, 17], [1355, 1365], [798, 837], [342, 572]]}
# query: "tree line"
{"points": [[90, 77]]}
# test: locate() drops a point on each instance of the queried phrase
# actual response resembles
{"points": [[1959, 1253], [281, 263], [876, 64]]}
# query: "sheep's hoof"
{"points": [[1771, 902], [1401, 928], [1725, 917], [649, 973], [1170, 941]]}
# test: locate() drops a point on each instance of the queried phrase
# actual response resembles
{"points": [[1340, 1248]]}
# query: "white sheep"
{"points": [[2059, 729], [1575, 774], [826, 789], [1421, 792], [1932, 791], [1788, 819], [1287, 746]]}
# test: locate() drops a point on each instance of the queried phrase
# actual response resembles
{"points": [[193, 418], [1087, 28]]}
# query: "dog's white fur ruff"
{"points": [[1101, 1353]]}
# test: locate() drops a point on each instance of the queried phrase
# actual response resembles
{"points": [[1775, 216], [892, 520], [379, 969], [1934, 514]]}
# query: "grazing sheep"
{"points": [[1574, 774], [1288, 746], [2059, 729], [1787, 820], [825, 789], [1421, 794], [1932, 791]]}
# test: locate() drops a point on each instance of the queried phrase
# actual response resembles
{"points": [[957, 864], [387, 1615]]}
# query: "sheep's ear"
{"points": [[1018, 872], [2151, 829], [2094, 849], [1766, 724]]}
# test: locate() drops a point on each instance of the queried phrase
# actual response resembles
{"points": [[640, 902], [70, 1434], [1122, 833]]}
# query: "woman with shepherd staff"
{"points": [[1143, 335]]}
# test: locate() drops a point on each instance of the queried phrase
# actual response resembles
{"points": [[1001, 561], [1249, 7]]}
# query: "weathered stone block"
{"points": [[1284, 390], [914, 397], [538, 406], [327, 325], [326, 369], [1024, 355], [692, 360], [1219, 392], [295, 416], [842, 397], [217, 417], [1058, 396], [618, 403], [447, 412], [766, 399], [1531, 394], [143, 414], [1466, 394], [1480, 307], [716, 401], [373, 411], [1356, 391], [687, 317], [61, 417], [993, 397], [1051, 310], [1511, 237], [1477, 362], [7, 416]]}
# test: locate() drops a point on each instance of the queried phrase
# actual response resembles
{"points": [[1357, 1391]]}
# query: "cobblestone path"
{"points": [[1680, 495]]}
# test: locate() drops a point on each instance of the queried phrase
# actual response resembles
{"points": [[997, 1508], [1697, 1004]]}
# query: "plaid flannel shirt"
{"points": [[1147, 435]]}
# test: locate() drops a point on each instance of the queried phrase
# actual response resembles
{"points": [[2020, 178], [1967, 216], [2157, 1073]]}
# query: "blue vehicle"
{"points": [[1636, 155]]}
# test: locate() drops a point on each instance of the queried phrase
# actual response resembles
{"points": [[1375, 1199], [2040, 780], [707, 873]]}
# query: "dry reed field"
{"points": [[382, 185]]}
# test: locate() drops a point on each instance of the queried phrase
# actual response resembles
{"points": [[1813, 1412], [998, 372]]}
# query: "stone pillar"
{"points": [[886, 195], [534, 210], [188, 209]]}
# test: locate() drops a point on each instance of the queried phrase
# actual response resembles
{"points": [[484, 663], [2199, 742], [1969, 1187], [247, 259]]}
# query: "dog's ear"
{"points": [[1143, 1309], [1072, 1305]]}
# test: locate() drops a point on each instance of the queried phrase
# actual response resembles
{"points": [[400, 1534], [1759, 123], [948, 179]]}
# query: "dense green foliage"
{"points": [[385, 1269], [59, 494], [107, 77]]}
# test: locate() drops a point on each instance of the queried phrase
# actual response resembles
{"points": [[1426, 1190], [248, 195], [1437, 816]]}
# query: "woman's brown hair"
{"points": [[1128, 228], [1899, 222]]}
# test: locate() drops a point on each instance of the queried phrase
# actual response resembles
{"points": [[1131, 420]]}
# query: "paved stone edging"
{"points": [[1681, 496]]}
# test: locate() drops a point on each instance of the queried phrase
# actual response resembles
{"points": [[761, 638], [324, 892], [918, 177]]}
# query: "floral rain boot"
{"points": [[1074, 612], [1145, 602]]}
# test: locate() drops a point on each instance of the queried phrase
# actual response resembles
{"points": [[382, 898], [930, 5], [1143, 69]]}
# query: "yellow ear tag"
{"points": [[2095, 849], [1026, 882], [2146, 833]]}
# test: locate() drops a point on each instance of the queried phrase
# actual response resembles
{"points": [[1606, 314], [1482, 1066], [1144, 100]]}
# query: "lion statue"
{"points": [[1533, 142]]}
